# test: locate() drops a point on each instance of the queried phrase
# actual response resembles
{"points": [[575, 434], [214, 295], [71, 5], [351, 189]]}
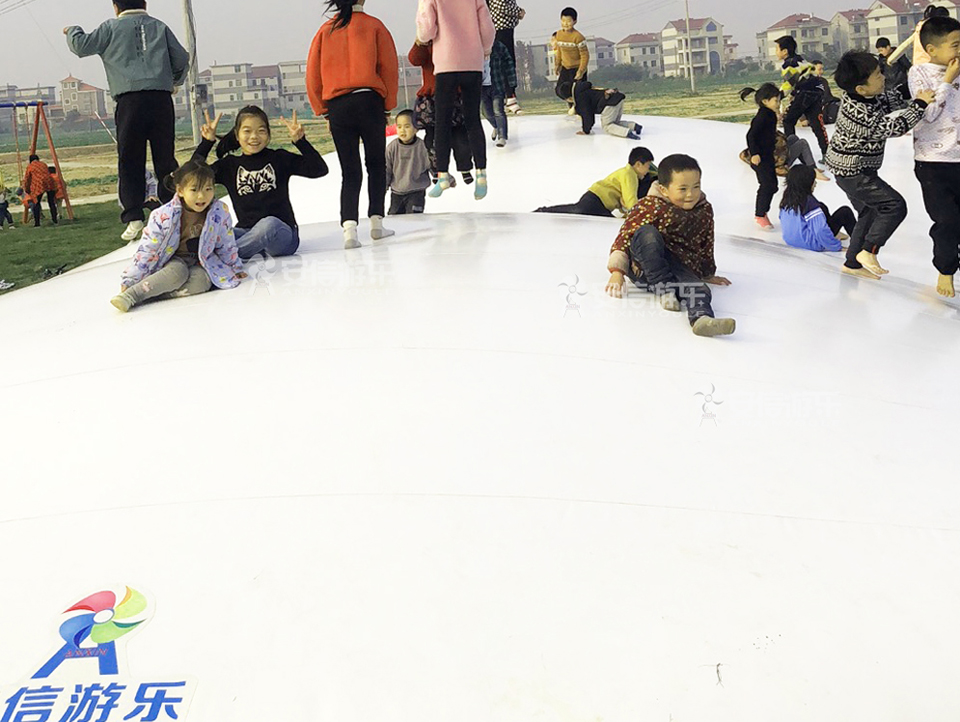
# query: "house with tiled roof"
{"points": [[88, 101], [642, 50], [850, 30], [897, 19], [701, 54], [813, 34]]}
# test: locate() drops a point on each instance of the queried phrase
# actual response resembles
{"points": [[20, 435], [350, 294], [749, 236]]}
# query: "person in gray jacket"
{"points": [[144, 63]]}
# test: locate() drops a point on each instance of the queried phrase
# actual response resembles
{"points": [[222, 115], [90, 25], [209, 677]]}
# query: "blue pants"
{"points": [[492, 106], [662, 272], [269, 236]]}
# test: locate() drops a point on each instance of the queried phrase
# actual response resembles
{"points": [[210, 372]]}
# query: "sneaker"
{"points": [[134, 229], [122, 302], [4, 284], [571, 110], [494, 135], [709, 327], [512, 106], [501, 142], [764, 223]]}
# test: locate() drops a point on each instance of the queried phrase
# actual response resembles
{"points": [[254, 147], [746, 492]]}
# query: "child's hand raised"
{"points": [[296, 129], [615, 285], [209, 129], [717, 281], [927, 96], [953, 70]]}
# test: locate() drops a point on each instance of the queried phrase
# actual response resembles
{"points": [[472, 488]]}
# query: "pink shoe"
{"points": [[764, 223]]}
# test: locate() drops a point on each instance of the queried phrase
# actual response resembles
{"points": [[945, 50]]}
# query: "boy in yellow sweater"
{"points": [[619, 190], [571, 56]]}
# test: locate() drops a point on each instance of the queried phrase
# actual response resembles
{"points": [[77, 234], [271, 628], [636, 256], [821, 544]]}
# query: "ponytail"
{"points": [[344, 9], [764, 92], [228, 144]]}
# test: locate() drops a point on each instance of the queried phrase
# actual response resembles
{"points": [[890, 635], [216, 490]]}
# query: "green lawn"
{"points": [[29, 255]]}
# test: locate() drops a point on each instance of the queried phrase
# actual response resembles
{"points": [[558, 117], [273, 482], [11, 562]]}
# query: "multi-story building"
{"points": [[602, 54], [603, 50], [897, 19], [703, 52], [729, 49], [814, 36], [642, 50], [264, 88], [850, 31], [293, 84], [86, 100], [204, 97], [229, 83]]}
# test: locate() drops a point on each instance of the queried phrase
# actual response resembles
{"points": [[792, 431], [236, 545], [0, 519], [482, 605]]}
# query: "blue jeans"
{"points": [[662, 272], [492, 107], [270, 236]]}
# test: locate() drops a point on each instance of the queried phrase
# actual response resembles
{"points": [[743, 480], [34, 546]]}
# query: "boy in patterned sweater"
{"points": [[571, 56], [867, 119], [936, 144], [666, 246], [802, 87]]}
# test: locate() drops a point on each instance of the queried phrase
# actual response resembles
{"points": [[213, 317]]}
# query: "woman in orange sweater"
{"points": [[352, 80]]}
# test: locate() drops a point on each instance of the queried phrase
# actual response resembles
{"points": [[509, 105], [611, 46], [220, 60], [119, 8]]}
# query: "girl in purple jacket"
{"points": [[187, 246]]}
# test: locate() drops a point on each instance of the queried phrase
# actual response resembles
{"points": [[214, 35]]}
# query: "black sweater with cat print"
{"points": [[259, 184]]}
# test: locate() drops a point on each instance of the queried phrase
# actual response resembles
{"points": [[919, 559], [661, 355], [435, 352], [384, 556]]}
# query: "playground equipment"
{"points": [[39, 118]]}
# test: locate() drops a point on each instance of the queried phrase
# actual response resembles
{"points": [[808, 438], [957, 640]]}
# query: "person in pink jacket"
{"points": [[462, 34]]}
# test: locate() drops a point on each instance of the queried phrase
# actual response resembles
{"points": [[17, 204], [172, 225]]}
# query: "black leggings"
{"points": [[470, 85], [588, 205], [355, 117], [505, 36], [769, 185], [51, 201], [461, 148], [843, 220]]}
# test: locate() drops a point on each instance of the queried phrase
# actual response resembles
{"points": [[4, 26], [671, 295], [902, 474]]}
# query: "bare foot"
{"points": [[841, 236], [860, 273], [870, 262], [945, 286], [821, 176]]}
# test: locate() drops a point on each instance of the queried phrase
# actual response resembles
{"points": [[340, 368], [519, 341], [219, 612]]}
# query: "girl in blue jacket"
{"points": [[188, 245], [806, 222]]}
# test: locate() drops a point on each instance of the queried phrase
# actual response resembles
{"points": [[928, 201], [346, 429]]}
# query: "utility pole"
{"points": [[693, 80], [403, 74], [190, 87]]}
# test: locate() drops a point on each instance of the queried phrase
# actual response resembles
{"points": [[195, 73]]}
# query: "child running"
{"points": [[868, 117], [936, 144], [807, 223], [802, 86], [619, 190], [761, 147], [571, 56], [5, 215], [258, 180], [408, 168], [187, 246], [666, 246]]}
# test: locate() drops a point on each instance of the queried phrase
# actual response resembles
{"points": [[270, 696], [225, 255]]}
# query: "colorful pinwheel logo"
{"points": [[94, 632]]}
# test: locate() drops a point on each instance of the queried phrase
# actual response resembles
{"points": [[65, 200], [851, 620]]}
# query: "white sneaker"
{"points": [[501, 142], [571, 111], [134, 229], [4, 285]]}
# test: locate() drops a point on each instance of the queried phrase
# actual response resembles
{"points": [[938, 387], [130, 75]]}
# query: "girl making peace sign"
{"points": [[258, 179]]}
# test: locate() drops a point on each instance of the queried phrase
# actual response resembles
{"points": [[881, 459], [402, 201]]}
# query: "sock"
{"points": [[467, 177], [443, 183], [350, 239], [377, 231], [480, 190]]}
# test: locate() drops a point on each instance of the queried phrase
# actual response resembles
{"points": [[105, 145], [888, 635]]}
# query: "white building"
{"points": [[814, 36], [704, 53], [229, 83], [293, 84], [897, 19], [642, 50], [849, 29], [602, 54]]}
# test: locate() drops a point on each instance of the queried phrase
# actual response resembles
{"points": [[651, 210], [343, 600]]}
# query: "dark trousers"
{"points": [[769, 184], [144, 117], [460, 142], [809, 105], [940, 183], [843, 220], [565, 81], [405, 203], [470, 85], [51, 202], [5, 213], [355, 117], [506, 37], [880, 208], [588, 205], [662, 272]]}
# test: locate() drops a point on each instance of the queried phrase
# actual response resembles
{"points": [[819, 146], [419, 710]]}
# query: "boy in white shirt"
{"points": [[936, 143]]}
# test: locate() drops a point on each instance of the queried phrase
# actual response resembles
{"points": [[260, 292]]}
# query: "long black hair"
{"points": [[800, 180], [764, 92], [344, 10], [230, 142], [193, 169]]}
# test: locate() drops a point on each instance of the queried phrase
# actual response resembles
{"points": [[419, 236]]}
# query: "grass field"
{"points": [[88, 159]]}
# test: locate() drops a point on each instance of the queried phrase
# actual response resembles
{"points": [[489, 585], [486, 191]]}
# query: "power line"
{"points": [[608, 19], [17, 4]]}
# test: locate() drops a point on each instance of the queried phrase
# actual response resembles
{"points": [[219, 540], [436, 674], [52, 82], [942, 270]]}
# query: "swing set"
{"points": [[40, 118]]}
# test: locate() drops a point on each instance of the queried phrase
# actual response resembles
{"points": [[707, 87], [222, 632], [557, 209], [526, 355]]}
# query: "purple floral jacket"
{"points": [[161, 238]]}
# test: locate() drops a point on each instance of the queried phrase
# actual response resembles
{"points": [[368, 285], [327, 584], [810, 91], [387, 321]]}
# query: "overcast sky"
{"points": [[262, 32]]}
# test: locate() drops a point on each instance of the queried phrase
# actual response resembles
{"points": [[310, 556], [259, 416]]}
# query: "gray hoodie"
{"points": [[138, 52]]}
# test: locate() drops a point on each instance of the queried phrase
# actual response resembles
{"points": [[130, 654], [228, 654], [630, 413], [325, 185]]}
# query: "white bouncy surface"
{"points": [[408, 482]]}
